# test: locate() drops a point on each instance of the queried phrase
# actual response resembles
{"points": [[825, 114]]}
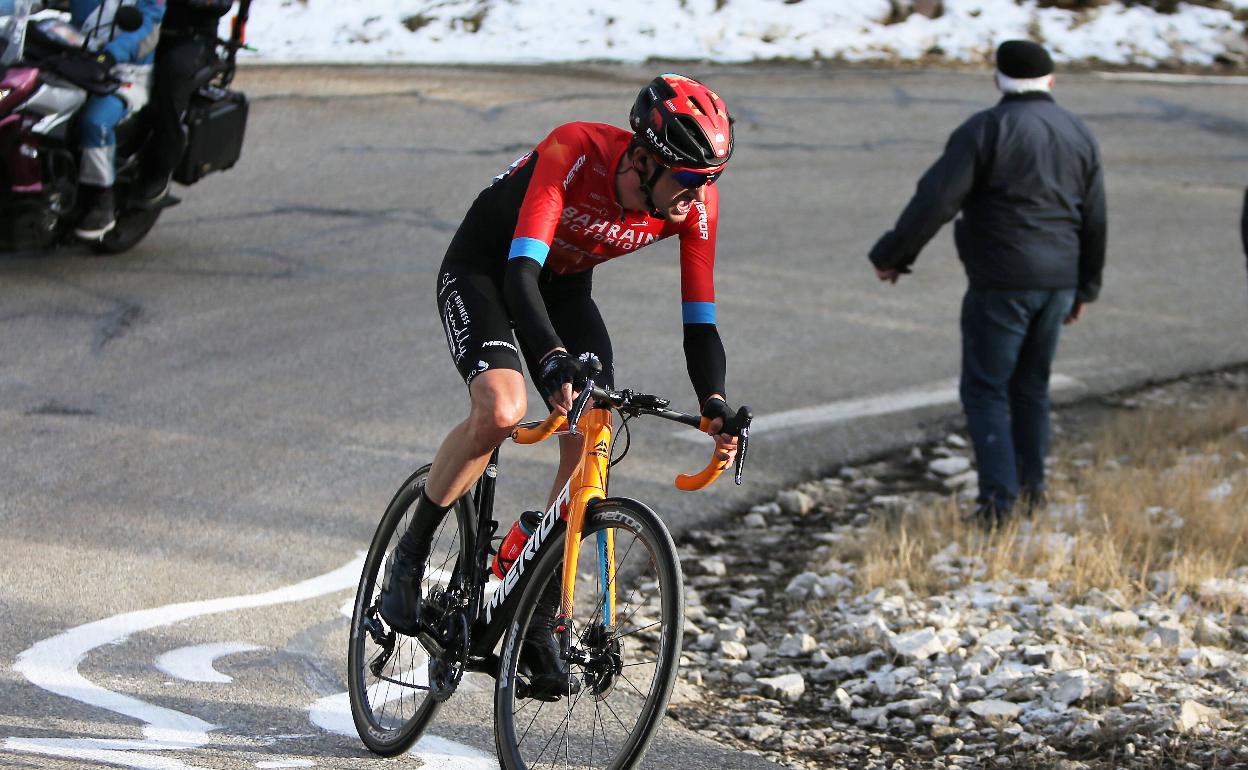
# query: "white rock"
{"points": [[742, 603], [713, 565], [1071, 686], [917, 645], [869, 716], [796, 645], [998, 638], [730, 632], [912, 707], [843, 701], [1209, 632], [731, 650], [1132, 680], [761, 733], [759, 650], [1122, 620], [755, 521], [949, 466], [766, 509], [786, 687], [1193, 715], [795, 502], [995, 712], [1166, 635]]}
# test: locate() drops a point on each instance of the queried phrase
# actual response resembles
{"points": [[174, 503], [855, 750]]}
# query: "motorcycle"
{"points": [[41, 98]]}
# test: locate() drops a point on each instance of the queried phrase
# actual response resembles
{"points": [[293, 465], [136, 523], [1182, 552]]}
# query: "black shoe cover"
{"points": [[400, 592]]}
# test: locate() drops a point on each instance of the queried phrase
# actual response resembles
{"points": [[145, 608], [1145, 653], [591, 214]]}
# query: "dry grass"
{"points": [[1137, 501]]}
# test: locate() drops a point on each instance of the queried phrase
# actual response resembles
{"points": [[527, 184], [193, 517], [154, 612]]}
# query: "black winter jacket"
{"points": [[194, 17], [1026, 175]]}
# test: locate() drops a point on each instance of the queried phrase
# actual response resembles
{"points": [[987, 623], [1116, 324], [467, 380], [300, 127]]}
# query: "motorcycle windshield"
{"points": [[13, 30]]}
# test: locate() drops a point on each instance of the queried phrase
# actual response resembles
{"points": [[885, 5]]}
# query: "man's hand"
{"points": [[716, 410], [890, 276], [558, 371], [1075, 314]]}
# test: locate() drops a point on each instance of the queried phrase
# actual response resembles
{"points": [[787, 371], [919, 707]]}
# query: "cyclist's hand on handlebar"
{"points": [[558, 372], [716, 410]]}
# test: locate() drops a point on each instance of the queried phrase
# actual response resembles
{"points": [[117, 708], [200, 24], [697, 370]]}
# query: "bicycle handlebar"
{"points": [[637, 404]]}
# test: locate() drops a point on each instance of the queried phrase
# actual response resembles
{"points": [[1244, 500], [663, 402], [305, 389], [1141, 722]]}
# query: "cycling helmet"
{"points": [[684, 123]]}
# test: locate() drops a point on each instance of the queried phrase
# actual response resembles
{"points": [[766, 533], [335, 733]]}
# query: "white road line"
{"points": [[1161, 77], [823, 415], [52, 664], [333, 714], [194, 664]]}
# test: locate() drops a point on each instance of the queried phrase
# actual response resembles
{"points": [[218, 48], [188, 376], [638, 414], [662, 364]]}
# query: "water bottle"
{"points": [[515, 541]]}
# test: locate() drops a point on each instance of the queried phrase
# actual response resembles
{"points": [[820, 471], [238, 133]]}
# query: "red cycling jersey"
{"points": [[570, 220]]}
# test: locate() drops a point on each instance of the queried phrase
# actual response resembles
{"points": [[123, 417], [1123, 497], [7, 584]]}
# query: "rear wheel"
{"points": [[132, 226], [396, 684], [625, 665]]}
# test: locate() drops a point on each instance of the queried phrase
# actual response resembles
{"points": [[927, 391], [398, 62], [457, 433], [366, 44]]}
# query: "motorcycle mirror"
{"points": [[128, 18]]}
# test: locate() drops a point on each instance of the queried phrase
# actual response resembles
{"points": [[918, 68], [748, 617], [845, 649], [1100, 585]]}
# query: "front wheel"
{"points": [[396, 686], [625, 648]]}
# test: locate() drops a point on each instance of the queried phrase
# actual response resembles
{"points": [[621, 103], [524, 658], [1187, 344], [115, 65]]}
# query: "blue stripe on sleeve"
{"points": [[698, 312], [529, 247]]}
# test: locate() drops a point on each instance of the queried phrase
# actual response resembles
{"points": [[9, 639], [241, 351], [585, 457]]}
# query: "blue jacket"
{"points": [[95, 18]]}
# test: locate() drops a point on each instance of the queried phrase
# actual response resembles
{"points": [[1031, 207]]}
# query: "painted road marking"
{"points": [[822, 415], [52, 664], [333, 714], [194, 664], [1161, 77]]}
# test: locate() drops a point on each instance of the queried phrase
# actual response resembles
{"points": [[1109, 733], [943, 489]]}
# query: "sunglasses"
{"points": [[692, 180]]}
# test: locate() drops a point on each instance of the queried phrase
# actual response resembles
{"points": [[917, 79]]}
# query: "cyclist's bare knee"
{"points": [[498, 403]]}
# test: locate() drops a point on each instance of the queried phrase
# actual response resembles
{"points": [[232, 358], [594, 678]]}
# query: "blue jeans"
{"points": [[99, 141], [1009, 338]]}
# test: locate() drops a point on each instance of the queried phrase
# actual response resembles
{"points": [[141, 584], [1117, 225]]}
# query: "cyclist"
{"points": [[524, 257]]}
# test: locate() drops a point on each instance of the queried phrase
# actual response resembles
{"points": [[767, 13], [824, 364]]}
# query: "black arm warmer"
{"points": [[526, 308], [704, 355]]}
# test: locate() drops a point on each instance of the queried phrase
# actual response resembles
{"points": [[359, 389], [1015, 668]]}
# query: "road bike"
{"points": [[620, 619]]}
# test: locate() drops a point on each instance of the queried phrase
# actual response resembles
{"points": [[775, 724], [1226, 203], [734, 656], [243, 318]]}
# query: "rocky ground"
{"points": [[784, 656]]}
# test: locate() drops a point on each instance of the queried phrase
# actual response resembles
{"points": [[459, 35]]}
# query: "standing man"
{"points": [[1026, 176], [188, 43]]}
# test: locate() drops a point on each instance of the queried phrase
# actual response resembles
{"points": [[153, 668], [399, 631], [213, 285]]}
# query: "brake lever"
{"points": [[578, 406], [744, 446]]}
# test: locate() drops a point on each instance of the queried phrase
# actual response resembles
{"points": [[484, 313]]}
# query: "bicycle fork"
{"points": [[587, 484]]}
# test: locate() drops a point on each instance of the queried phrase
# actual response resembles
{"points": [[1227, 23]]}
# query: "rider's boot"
{"points": [[400, 592], [549, 678], [99, 213]]}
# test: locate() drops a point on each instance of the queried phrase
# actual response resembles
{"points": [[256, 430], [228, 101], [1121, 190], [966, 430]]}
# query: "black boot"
{"points": [[400, 592], [540, 660], [152, 192], [99, 214]]}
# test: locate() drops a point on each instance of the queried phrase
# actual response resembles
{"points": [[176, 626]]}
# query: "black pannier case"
{"points": [[215, 121]]}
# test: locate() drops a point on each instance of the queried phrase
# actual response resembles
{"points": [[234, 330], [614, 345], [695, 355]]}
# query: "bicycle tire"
{"points": [[645, 647], [388, 729]]}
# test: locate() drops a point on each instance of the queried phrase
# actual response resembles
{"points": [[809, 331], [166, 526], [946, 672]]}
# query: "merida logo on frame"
{"points": [[557, 510]]}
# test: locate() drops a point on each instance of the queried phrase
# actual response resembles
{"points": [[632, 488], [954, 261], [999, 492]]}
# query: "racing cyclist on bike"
{"points": [[524, 257]]}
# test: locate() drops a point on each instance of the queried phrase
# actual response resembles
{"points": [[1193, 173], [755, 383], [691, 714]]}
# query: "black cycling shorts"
{"points": [[479, 329]]}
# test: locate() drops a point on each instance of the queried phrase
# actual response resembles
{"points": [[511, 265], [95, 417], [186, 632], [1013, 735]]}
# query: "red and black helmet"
{"points": [[684, 123]]}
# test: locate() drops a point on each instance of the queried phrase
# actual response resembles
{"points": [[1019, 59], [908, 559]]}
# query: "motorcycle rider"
{"points": [[128, 56], [188, 41]]}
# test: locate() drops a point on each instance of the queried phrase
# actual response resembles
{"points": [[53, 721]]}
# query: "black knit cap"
{"points": [[1023, 59]]}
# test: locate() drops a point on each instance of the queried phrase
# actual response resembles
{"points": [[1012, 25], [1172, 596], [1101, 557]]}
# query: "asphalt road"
{"points": [[225, 411]]}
